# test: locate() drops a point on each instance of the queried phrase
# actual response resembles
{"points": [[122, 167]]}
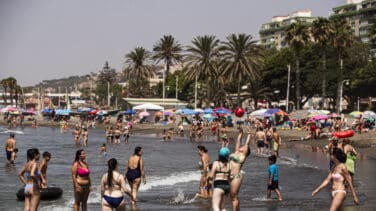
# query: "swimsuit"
{"points": [[9, 154], [113, 201], [350, 163], [338, 177], [260, 143], [82, 172], [29, 186], [223, 184], [133, 174]]}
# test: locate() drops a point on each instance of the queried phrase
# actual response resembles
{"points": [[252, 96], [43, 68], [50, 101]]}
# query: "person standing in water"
{"points": [[338, 175], [220, 174], [277, 141], [31, 176], [113, 188], [10, 145], [43, 168], [351, 154], [85, 136], [260, 139], [273, 178], [77, 135], [237, 159], [135, 172], [81, 181], [204, 166]]}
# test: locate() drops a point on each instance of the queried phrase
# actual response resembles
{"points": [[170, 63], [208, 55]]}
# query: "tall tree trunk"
{"points": [[239, 86], [167, 69], [297, 84], [5, 95], [11, 95], [323, 85], [339, 85]]}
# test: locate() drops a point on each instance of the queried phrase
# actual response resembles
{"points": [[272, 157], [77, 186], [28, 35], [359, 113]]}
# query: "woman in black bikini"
{"points": [[220, 173], [135, 171], [113, 188]]}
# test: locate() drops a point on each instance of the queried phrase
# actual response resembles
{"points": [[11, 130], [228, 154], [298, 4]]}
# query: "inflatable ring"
{"points": [[343, 134], [50, 193]]}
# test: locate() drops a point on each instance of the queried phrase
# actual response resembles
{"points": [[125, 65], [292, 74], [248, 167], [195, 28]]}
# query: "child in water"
{"points": [[273, 178], [43, 168], [103, 150]]}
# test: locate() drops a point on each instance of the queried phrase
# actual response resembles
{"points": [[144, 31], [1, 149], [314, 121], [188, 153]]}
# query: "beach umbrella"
{"points": [[186, 111], [369, 115], [356, 114], [281, 113], [326, 112], [208, 111], [129, 111], [319, 117], [144, 113], [167, 113], [159, 113], [199, 111], [148, 106], [272, 111], [222, 110], [63, 112], [259, 112], [334, 115]]}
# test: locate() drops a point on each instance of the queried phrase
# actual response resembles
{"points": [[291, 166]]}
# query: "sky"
{"points": [[51, 39]]}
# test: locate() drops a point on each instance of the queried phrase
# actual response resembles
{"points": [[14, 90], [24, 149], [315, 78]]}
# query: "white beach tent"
{"points": [[148, 106]]}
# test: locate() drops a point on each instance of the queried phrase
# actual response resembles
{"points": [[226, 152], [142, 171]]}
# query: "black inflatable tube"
{"points": [[50, 193]]}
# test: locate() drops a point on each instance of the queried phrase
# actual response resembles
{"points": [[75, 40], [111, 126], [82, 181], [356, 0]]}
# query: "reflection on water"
{"points": [[173, 175]]}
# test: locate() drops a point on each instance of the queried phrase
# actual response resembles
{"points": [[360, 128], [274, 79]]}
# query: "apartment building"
{"points": [[272, 34]]}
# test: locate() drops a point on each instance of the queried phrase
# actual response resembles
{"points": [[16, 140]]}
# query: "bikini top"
{"points": [[337, 177], [28, 175], [223, 172], [235, 158], [82, 172]]}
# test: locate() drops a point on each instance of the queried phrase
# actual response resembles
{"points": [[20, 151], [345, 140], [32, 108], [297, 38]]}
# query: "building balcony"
{"points": [[344, 7]]}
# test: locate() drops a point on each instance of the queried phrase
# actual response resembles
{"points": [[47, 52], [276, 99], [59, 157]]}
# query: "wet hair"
{"points": [[78, 153], [104, 144], [112, 163], [46, 154], [137, 150], [32, 153], [11, 135], [272, 159], [346, 141], [15, 150], [202, 148], [339, 155]]}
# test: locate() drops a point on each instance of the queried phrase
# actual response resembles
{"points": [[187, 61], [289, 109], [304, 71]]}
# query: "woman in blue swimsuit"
{"points": [[135, 171], [30, 176], [113, 188]]}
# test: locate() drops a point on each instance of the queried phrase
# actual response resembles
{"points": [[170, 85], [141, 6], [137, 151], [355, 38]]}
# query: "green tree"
{"points": [[202, 60], [342, 38], [107, 74], [138, 68], [372, 35], [242, 59], [168, 50], [5, 83], [322, 32], [297, 37]]}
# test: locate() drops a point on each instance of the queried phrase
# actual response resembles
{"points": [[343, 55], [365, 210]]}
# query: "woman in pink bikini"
{"points": [[338, 175], [81, 181]]}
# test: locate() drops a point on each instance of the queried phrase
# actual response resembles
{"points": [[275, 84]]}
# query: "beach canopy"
{"points": [[319, 117], [208, 111], [222, 110], [85, 109], [369, 115], [259, 112], [356, 114], [186, 111], [148, 106], [199, 111]]}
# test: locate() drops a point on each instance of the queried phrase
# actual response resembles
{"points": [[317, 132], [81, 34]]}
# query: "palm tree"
{"points": [[297, 37], [242, 58], [202, 60], [5, 83], [17, 93], [138, 66], [322, 32], [342, 38], [168, 50]]}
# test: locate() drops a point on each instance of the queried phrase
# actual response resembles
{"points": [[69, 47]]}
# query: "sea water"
{"points": [[173, 174]]}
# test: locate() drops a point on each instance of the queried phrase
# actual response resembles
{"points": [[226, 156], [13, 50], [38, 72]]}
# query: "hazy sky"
{"points": [[48, 39]]}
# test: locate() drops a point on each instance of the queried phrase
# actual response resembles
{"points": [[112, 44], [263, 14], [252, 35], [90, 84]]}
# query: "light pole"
{"points": [[108, 93], [288, 87], [196, 93], [176, 91], [163, 82], [358, 102], [340, 96]]}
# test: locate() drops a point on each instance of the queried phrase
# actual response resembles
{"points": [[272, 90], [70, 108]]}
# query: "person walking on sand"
{"points": [[220, 174], [204, 166], [277, 141], [237, 159], [113, 188], [134, 172], [10, 145], [43, 168], [260, 139], [273, 178], [338, 175]]}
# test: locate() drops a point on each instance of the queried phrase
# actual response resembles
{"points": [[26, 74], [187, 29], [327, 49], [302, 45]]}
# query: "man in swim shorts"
{"points": [[260, 140], [10, 145]]}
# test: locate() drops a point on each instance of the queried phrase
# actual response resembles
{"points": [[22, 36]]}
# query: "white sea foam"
{"points": [[12, 131], [172, 179]]}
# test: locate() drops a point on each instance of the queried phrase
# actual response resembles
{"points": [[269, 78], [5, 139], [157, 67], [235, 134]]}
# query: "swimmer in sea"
{"points": [[10, 145]]}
